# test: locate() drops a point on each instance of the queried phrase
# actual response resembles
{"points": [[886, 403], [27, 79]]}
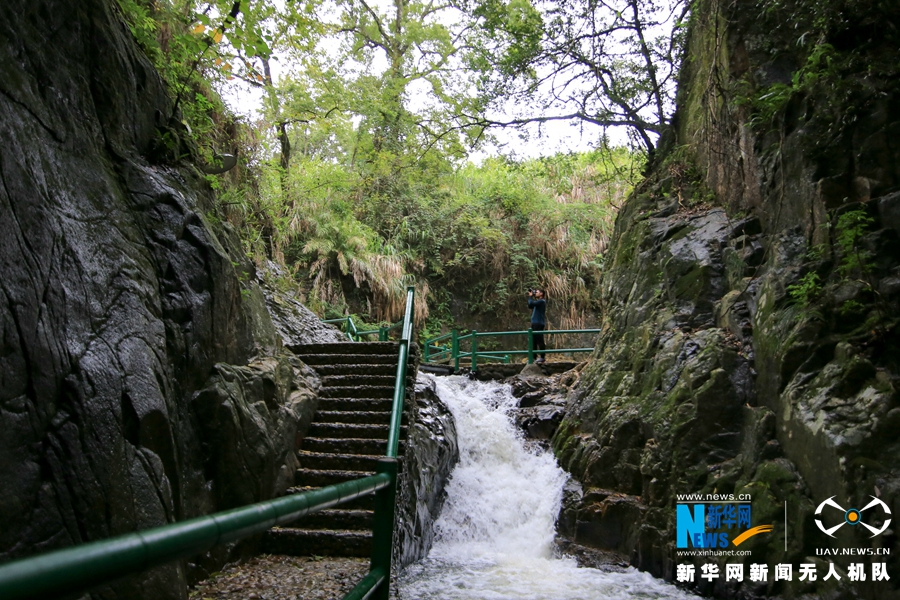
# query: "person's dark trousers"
{"points": [[539, 339]]}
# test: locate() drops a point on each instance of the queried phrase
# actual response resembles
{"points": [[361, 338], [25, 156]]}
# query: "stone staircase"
{"points": [[347, 437]]}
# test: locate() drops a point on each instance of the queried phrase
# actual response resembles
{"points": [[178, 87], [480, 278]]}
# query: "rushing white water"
{"points": [[495, 534]]}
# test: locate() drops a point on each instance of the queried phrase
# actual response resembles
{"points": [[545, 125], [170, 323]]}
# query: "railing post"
{"points": [[474, 350], [383, 527], [454, 349], [382, 334], [530, 345], [427, 351], [408, 331]]}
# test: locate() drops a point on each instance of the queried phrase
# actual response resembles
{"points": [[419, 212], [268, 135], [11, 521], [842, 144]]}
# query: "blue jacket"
{"points": [[540, 308]]}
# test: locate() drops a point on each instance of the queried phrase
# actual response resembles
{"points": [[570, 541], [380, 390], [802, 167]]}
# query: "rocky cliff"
{"points": [[431, 453], [750, 324], [142, 381]]}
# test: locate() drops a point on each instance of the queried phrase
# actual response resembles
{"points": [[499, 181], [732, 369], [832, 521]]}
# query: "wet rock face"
{"points": [[248, 419], [121, 312], [294, 323], [431, 453], [717, 370], [542, 399], [657, 409], [248, 422]]}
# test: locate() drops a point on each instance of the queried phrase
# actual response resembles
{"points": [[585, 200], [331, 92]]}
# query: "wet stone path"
{"points": [[275, 577]]}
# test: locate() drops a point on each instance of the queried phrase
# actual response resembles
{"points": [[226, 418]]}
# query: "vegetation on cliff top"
{"points": [[355, 180]]}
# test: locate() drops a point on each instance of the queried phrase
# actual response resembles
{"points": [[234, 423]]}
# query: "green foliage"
{"points": [[854, 270], [766, 103], [143, 26], [523, 26], [820, 69], [851, 226], [856, 261], [806, 290], [194, 45], [850, 307], [686, 179], [481, 233], [358, 192], [832, 43], [817, 252], [821, 66]]}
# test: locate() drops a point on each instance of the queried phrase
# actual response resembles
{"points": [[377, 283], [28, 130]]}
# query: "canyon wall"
{"points": [[142, 380], [751, 303]]}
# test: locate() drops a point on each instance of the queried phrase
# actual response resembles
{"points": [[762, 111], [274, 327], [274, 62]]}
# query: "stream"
{"points": [[495, 535]]}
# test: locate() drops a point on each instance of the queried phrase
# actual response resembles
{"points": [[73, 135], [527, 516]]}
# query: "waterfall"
{"points": [[495, 534]]}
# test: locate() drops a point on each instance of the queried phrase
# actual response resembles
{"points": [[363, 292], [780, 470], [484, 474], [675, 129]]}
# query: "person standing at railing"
{"points": [[538, 303]]}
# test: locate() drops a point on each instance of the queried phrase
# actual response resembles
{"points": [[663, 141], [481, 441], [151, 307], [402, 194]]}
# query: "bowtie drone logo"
{"points": [[853, 516]]}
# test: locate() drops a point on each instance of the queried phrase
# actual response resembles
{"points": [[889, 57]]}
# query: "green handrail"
{"points": [[383, 523], [362, 589], [400, 377], [454, 354], [432, 344], [79, 568], [350, 328], [355, 335]]}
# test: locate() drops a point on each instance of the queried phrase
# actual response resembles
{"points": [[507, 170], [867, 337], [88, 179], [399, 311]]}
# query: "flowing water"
{"points": [[495, 534]]}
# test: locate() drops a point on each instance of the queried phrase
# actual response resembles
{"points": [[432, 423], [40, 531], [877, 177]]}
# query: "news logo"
{"points": [[714, 524], [854, 516]]}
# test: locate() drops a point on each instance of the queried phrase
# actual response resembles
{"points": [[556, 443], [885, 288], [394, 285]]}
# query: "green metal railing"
{"points": [[353, 332], [71, 571], [383, 524], [452, 353], [81, 567]]}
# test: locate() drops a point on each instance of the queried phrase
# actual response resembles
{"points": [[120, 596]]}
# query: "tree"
{"points": [[264, 29], [352, 178], [610, 63], [409, 107]]}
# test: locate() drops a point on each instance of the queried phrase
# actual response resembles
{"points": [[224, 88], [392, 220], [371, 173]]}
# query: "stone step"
{"points": [[346, 348], [345, 441], [316, 478], [356, 404], [329, 370], [338, 381], [358, 391], [338, 519], [362, 503], [314, 360], [366, 417], [348, 445], [306, 542], [330, 461], [351, 430]]}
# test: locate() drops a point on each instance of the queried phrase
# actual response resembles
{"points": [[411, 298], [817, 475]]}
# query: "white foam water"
{"points": [[495, 533]]}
